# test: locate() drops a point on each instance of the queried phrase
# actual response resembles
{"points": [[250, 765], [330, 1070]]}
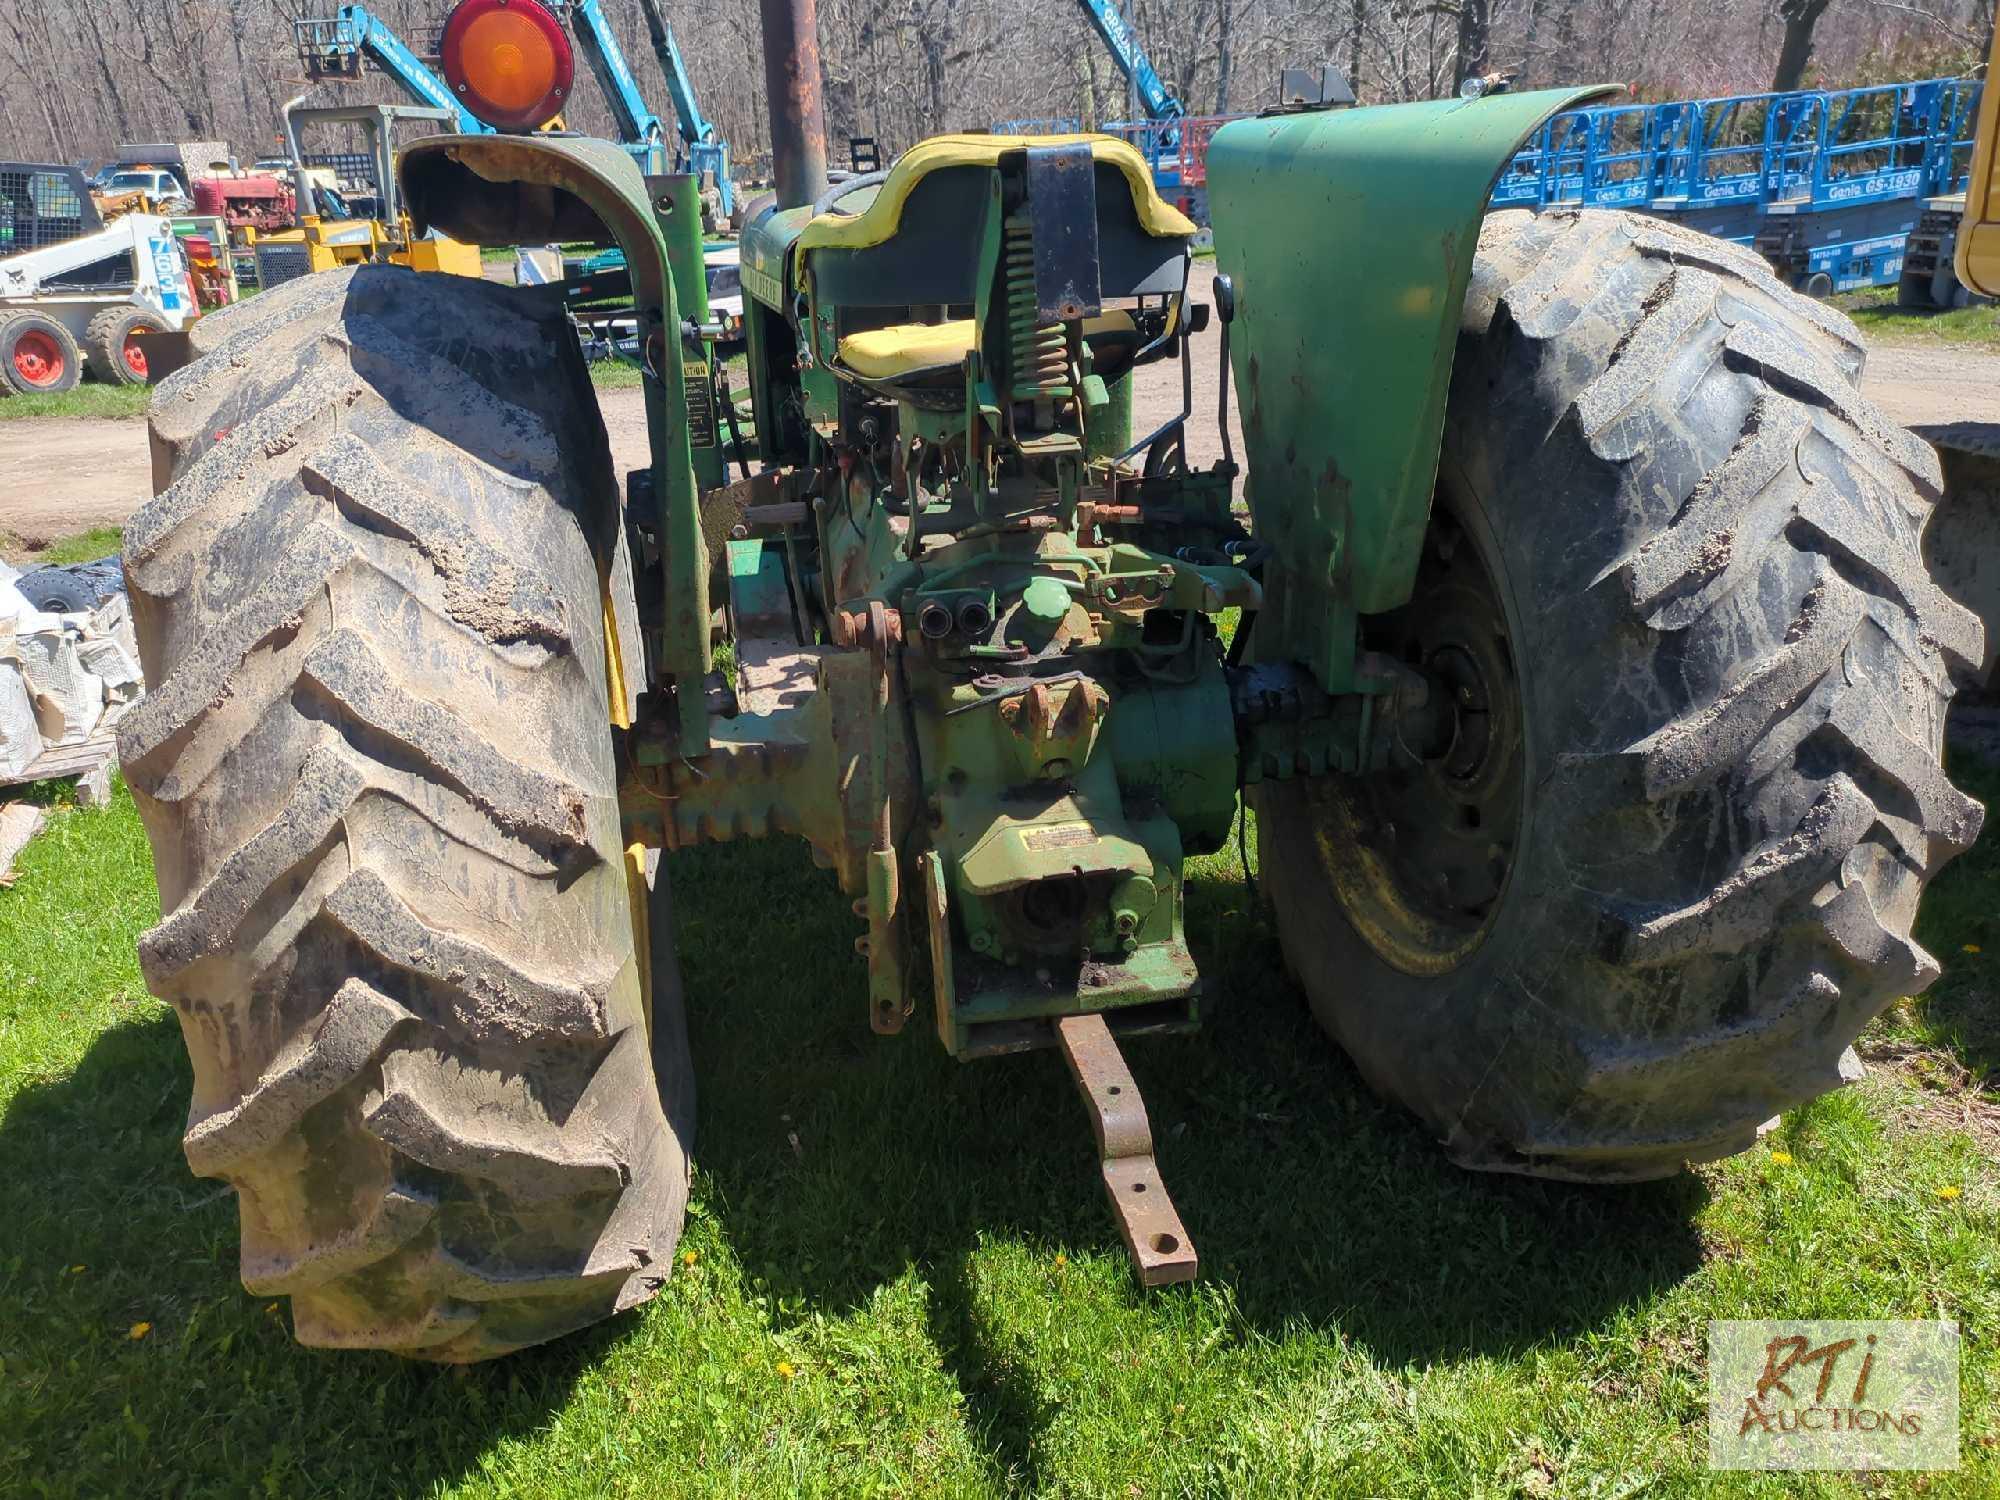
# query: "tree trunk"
{"points": [[1225, 22], [1531, 72], [1357, 26], [114, 95], [1475, 34], [1795, 51]]}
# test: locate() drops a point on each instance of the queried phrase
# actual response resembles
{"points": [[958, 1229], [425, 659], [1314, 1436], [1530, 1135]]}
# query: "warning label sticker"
{"points": [[1060, 836]]}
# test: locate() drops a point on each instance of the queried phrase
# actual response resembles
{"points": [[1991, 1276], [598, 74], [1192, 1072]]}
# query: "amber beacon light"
{"points": [[508, 61]]}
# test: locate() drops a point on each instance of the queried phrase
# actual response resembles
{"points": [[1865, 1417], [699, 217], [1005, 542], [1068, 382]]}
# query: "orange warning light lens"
{"points": [[508, 61]]}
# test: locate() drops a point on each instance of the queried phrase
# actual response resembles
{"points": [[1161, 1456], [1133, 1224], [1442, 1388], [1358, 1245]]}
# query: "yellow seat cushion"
{"points": [[878, 221], [905, 348]]}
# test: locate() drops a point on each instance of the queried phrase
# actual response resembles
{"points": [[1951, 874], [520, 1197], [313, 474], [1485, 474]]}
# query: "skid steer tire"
{"points": [[38, 355], [375, 767], [1714, 676], [108, 349]]}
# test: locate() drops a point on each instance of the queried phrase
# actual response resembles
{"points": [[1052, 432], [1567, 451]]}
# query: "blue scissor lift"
{"points": [[1847, 189], [1826, 184], [1833, 187]]}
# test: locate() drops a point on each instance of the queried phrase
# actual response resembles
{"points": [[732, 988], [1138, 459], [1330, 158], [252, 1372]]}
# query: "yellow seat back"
{"points": [[877, 223]]}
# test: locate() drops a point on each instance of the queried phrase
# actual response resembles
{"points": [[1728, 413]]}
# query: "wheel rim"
{"points": [[134, 355], [38, 358], [1420, 853]]}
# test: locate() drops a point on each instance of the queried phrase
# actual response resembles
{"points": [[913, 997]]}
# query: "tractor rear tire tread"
{"points": [[1735, 772], [375, 770]]}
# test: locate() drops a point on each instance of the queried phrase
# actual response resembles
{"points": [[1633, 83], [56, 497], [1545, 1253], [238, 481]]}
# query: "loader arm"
{"points": [[639, 129], [333, 48]]}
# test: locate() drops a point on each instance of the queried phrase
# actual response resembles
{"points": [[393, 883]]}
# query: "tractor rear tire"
{"points": [[1668, 869], [106, 343], [375, 765]]}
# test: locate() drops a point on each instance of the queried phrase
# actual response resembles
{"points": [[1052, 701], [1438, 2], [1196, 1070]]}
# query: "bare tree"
{"points": [[79, 76], [1475, 35], [1801, 18]]}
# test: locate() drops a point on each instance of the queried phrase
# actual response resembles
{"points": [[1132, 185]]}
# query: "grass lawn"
{"points": [[615, 375], [85, 546], [898, 1277], [620, 374], [1881, 320], [89, 399]]}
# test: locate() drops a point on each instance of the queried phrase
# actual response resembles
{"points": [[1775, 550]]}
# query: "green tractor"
{"points": [[1574, 651]]}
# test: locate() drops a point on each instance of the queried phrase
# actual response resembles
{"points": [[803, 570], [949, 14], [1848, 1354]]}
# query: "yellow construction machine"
{"points": [[1963, 539], [346, 235]]}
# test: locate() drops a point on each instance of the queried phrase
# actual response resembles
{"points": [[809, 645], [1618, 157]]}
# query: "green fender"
{"points": [[541, 189], [1349, 235]]}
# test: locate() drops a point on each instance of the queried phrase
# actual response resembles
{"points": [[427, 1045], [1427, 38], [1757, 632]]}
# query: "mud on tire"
{"points": [[1732, 671], [376, 774]]}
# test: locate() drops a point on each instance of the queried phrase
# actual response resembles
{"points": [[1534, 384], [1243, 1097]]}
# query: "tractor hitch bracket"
{"points": [[1154, 1235]]}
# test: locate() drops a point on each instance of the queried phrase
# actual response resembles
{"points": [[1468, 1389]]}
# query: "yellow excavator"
{"points": [[1978, 250], [344, 236], [1962, 543]]}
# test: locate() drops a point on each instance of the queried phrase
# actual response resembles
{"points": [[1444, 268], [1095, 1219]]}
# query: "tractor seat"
{"points": [[880, 220], [933, 354], [906, 350]]}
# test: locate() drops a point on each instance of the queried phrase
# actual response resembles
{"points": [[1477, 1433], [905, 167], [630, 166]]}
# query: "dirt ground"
{"points": [[59, 476]]}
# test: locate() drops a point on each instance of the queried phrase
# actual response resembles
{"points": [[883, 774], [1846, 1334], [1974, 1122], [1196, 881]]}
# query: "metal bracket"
{"points": [[1062, 203], [1154, 1236]]}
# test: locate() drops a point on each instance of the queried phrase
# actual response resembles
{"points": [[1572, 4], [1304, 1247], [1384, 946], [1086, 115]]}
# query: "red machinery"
{"points": [[257, 201]]}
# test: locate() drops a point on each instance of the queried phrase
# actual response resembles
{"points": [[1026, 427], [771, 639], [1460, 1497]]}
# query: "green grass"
{"points": [[615, 375], [618, 374], [85, 546], [1878, 316], [89, 399], [902, 1280]]}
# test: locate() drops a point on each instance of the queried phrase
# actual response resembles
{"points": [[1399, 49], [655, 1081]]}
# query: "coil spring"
{"points": [[1040, 350]]}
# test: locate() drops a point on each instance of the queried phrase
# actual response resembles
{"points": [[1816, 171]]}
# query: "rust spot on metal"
{"points": [[791, 81]]}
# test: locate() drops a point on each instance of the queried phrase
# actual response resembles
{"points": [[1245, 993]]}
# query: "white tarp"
{"points": [[62, 677], [20, 739]]}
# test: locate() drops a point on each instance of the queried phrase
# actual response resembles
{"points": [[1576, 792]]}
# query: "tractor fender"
{"points": [[1349, 235], [539, 189], [508, 190]]}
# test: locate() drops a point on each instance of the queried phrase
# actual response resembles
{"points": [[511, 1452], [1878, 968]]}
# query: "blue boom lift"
{"points": [[1156, 100], [1159, 136], [702, 150], [706, 151], [640, 131], [340, 45]]}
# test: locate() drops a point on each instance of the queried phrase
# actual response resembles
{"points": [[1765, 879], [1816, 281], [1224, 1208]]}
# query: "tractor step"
{"points": [[1154, 1235]]}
